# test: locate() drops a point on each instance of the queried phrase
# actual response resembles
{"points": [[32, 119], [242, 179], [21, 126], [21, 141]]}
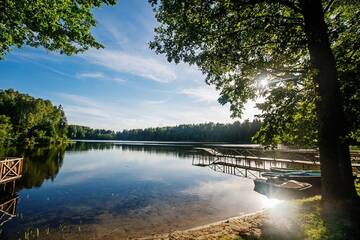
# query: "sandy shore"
{"points": [[280, 222], [245, 226]]}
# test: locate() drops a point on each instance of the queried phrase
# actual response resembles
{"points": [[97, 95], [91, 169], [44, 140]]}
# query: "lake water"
{"points": [[117, 190]]}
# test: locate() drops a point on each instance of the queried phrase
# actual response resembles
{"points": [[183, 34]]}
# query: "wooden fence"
{"points": [[10, 169]]}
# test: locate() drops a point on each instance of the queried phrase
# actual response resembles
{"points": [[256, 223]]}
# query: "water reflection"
{"points": [[110, 190], [40, 165], [172, 150], [8, 204]]}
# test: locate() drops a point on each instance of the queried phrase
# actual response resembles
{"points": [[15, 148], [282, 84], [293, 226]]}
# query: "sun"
{"points": [[264, 82]]}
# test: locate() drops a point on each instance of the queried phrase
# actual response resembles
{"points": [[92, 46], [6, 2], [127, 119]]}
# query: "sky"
{"points": [[123, 86]]}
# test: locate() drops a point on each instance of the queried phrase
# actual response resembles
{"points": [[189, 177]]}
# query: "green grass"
{"points": [[313, 225], [310, 221], [319, 225]]}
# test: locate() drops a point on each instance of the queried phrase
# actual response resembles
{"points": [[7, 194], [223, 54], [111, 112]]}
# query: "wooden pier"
{"points": [[248, 167], [10, 169], [298, 155], [247, 163], [218, 156], [246, 172]]}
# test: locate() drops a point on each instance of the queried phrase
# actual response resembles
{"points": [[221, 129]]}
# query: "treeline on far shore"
{"points": [[28, 121], [236, 132]]}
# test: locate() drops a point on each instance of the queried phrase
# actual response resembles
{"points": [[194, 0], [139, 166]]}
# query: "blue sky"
{"points": [[123, 86]]}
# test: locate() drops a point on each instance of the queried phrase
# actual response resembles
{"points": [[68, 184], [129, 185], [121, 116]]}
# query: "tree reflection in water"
{"points": [[39, 164]]}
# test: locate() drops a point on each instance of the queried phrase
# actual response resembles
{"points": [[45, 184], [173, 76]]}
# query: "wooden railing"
{"points": [[10, 169], [8, 208]]}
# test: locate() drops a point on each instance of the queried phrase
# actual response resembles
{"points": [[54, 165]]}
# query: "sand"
{"points": [[245, 226]]}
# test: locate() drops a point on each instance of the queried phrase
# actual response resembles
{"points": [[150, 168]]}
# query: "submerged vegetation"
{"points": [[205, 132], [28, 121]]}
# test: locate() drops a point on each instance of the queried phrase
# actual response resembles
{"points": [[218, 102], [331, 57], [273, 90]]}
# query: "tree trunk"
{"points": [[337, 184]]}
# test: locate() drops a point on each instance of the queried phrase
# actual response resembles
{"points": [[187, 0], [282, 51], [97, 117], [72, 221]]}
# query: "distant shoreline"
{"points": [[172, 143]]}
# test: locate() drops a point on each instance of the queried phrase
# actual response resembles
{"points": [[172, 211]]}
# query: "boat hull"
{"points": [[313, 180], [272, 190]]}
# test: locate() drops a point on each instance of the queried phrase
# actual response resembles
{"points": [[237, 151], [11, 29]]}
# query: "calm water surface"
{"points": [[114, 191]]}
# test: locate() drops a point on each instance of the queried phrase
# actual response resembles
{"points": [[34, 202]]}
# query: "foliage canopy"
{"points": [[239, 44], [26, 120], [61, 25]]}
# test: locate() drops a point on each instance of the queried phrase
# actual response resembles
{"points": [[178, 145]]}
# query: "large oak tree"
{"points": [[239, 43]]}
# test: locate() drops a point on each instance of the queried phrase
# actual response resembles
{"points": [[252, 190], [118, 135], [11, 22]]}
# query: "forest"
{"points": [[210, 132], [25, 120], [28, 121]]}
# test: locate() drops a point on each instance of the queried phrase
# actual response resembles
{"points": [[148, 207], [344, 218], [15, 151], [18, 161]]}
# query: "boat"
{"points": [[283, 189], [288, 170], [309, 176], [283, 170], [312, 177], [274, 172]]}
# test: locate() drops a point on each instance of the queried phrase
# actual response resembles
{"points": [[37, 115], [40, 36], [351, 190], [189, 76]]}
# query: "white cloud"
{"points": [[138, 65], [118, 35], [142, 114], [99, 76], [86, 111], [148, 113], [118, 80], [78, 99], [95, 75], [153, 102], [203, 93]]}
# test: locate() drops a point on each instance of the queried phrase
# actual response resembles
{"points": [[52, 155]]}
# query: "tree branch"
{"points": [[282, 2], [288, 4], [327, 8]]}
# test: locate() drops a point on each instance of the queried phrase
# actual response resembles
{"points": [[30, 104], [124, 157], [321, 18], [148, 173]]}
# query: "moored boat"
{"points": [[282, 189], [274, 172], [311, 177], [283, 170]]}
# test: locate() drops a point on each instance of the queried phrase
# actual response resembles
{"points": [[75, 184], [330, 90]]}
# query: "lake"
{"points": [[115, 190]]}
